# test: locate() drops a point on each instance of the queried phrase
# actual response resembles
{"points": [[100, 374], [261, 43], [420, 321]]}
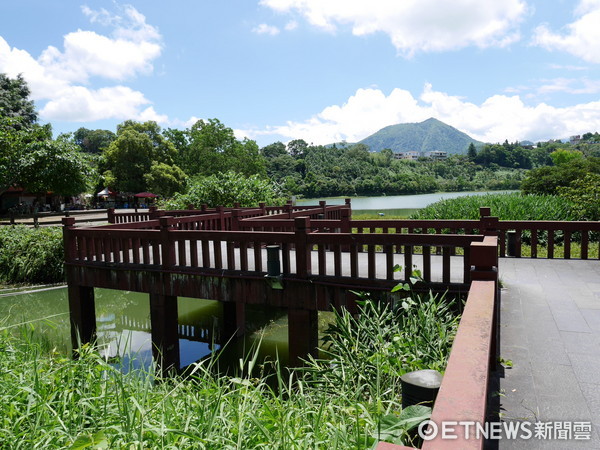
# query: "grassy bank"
{"points": [[350, 400]]}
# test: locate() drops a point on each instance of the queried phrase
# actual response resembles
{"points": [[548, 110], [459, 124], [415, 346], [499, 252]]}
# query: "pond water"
{"points": [[394, 203], [123, 325]]}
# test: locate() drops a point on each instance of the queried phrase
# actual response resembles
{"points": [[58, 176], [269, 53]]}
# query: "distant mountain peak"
{"points": [[429, 135]]}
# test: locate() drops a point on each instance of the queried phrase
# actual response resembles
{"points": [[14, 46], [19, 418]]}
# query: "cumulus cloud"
{"points": [[263, 28], [581, 37], [416, 25], [498, 118], [61, 77]]}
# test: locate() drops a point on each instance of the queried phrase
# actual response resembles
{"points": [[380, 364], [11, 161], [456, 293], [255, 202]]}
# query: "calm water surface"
{"points": [[123, 324], [394, 202]]}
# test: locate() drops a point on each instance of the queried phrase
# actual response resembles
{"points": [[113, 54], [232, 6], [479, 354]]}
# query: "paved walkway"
{"points": [[550, 330]]}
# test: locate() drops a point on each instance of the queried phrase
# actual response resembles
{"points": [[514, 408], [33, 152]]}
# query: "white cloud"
{"points": [[61, 77], [416, 25], [263, 28], [291, 25], [80, 104], [498, 118], [581, 37]]}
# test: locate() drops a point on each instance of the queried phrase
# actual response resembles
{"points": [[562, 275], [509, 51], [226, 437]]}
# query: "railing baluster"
{"points": [[156, 253], [567, 245], [446, 264], [256, 248], [194, 252], [519, 242], [244, 256], [218, 251], [230, 255], [321, 258], [408, 264], [337, 260], [389, 261], [534, 243], [584, 244], [354, 260], [550, 244], [181, 249], [285, 258], [371, 261], [427, 263], [146, 252], [205, 253]]}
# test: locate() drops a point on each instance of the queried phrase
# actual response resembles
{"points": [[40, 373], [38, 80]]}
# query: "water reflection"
{"points": [[123, 326]]}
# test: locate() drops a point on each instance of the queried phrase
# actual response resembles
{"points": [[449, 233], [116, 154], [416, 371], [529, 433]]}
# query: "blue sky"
{"points": [[320, 70]]}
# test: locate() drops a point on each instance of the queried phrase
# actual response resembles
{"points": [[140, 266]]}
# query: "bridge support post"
{"points": [[234, 319], [303, 334], [82, 311], [165, 339]]}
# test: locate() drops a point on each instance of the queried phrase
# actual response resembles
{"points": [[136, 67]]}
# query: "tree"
{"points": [[131, 155], [15, 102], [214, 148], [472, 152], [297, 148], [274, 150], [564, 156], [93, 141], [164, 179]]}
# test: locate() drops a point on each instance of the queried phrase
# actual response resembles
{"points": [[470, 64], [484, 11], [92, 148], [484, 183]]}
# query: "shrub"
{"points": [[505, 206], [224, 189], [30, 255]]}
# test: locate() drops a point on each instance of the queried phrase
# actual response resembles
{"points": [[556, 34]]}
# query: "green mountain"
{"points": [[427, 136]]}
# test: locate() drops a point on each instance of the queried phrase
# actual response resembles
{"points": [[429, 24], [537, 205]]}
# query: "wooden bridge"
{"points": [[309, 259]]}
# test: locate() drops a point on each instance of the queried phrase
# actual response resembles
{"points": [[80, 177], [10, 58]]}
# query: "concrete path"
{"points": [[550, 331]]}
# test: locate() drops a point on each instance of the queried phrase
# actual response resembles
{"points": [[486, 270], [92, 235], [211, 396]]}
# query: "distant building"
{"points": [[408, 155], [575, 139], [437, 155]]}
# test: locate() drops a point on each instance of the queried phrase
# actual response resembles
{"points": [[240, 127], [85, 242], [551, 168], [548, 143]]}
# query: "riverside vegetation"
{"points": [[349, 400]]}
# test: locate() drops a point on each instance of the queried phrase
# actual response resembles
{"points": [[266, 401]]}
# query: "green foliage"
{"points": [[29, 255], [132, 154], [564, 156], [15, 102], [48, 400], [93, 141], [224, 189], [165, 180], [547, 180], [210, 147], [505, 206], [584, 195]]}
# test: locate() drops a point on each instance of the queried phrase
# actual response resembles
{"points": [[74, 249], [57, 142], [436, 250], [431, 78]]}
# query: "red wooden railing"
{"points": [[197, 243]]}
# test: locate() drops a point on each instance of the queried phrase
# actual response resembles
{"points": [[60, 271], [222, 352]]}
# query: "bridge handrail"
{"points": [[193, 249]]}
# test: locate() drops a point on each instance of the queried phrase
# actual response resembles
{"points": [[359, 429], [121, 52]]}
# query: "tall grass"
{"points": [[31, 255], [350, 401], [514, 206]]}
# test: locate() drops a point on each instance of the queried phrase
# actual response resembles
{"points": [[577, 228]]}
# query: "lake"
{"points": [[394, 204], [123, 325]]}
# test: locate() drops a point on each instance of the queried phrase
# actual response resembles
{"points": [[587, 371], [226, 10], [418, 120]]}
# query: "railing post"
{"points": [[221, 212], [111, 215], [190, 206], [346, 216], [36, 220], [203, 207], [235, 220], [287, 208], [236, 205], [263, 207], [152, 212], [69, 243], [168, 249], [303, 252], [323, 206]]}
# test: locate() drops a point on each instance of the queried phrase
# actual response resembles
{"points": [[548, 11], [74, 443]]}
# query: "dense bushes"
{"points": [[30, 255], [225, 189], [505, 206]]}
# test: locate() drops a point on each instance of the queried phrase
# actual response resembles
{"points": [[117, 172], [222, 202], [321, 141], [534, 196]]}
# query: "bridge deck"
{"points": [[550, 330]]}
